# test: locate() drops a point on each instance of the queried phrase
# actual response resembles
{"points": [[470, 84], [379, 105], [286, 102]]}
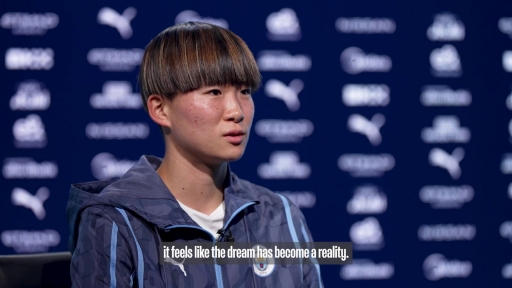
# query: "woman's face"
{"points": [[211, 124]]}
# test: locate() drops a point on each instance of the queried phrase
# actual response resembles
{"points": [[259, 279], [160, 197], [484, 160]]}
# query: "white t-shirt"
{"points": [[211, 223]]}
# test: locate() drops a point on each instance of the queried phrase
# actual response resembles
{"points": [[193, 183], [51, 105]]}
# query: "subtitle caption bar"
{"points": [[330, 253]]}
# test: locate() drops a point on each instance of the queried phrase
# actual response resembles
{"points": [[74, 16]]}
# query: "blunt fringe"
{"points": [[192, 55]]}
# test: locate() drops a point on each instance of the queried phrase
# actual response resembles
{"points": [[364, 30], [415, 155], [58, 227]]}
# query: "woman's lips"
{"points": [[235, 139]]}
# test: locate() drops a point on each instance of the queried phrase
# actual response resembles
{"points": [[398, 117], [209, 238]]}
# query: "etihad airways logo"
{"points": [[22, 23], [366, 165], [23, 241], [365, 25], [446, 197], [284, 131], [119, 60]]}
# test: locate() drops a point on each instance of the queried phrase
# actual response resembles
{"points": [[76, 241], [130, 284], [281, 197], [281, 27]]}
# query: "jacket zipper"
{"points": [[218, 271]]}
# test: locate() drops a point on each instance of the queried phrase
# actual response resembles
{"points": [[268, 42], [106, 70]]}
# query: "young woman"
{"points": [[196, 83]]}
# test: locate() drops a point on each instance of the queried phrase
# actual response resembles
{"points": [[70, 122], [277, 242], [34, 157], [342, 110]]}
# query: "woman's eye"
{"points": [[215, 92], [246, 91]]}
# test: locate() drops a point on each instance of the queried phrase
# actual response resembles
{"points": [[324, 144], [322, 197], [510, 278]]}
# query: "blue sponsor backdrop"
{"points": [[387, 123]]}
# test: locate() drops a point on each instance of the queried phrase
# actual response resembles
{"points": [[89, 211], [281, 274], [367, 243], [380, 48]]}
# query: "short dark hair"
{"points": [[192, 55]]}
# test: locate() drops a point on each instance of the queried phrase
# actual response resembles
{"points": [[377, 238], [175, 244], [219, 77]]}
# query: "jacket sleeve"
{"points": [[310, 269], [102, 257]]}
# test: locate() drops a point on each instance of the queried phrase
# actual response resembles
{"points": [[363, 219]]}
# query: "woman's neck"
{"points": [[194, 184]]}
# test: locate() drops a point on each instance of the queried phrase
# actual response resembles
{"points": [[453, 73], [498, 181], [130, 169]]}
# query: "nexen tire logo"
{"points": [[354, 61], [105, 166], [436, 267], [29, 59], [361, 165]]}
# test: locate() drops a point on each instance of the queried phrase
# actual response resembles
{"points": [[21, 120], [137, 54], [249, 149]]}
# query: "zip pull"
{"points": [[225, 234]]}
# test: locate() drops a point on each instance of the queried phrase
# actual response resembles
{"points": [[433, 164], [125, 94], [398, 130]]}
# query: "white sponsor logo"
{"points": [[446, 197], [109, 59], [288, 94], [509, 101], [117, 131], [439, 157], [506, 271], [110, 17], [505, 25], [29, 132], [367, 234], [369, 128], [444, 96], [29, 24], [436, 267], [30, 95], [446, 129], [284, 165], [506, 164], [105, 166], [506, 230], [27, 168], [23, 241], [367, 199], [365, 25], [283, 25], [354, 61], [446, 27], [189, 15], [284, 131], [21, 197], [447, 232], [507, 60], [116, 95], [303, 199], [365, 95], [366, 165], [278, 60], [445, 62], [365, 269], [29, 59]]}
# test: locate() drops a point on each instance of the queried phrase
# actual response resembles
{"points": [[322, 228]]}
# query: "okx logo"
{"points": [[110, 17]]}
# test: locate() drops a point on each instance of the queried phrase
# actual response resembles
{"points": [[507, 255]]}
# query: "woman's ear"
{"points": [[158, 111]]}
